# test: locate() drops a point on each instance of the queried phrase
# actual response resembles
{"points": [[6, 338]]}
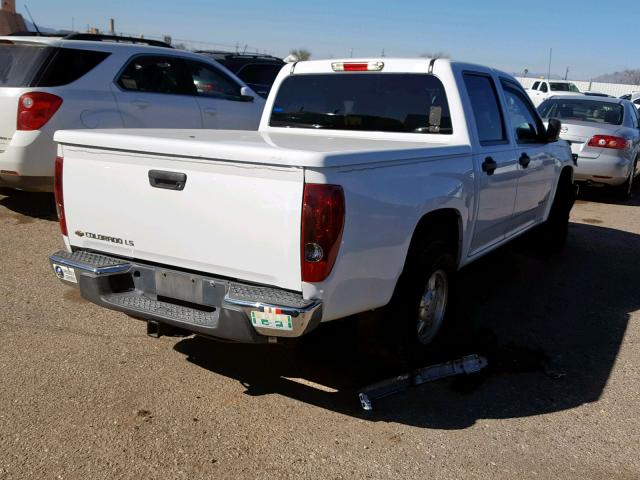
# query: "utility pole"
{"points": [[566, 74], [549, 69], [382, 54], [351, 53]]}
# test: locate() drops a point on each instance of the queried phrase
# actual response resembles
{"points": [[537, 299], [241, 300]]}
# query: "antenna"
{"points": [[32, 20]]}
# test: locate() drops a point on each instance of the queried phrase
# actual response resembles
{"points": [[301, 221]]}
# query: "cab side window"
{"points": [[635, 116], [486, 109], [156, 74], [211, 82], [526, 124], [544, 88]]}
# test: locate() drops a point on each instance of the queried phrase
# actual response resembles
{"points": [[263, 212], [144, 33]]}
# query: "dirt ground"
{"points": [[85, 394]]}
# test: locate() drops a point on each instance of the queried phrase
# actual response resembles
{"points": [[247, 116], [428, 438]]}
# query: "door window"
{"points": [[525, 121], [544, 88], [486, 109], [211, 82], [535, 85], [157, 74]]}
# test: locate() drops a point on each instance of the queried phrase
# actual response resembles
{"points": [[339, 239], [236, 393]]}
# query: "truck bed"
{"points": [[313, 150]]}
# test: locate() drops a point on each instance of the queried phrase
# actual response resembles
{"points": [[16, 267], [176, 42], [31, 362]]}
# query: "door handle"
{"points": [[167, 180], [141, 104], [489, 166], [524, 160], [210, 111]]}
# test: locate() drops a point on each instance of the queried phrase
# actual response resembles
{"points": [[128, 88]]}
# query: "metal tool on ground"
{"points": [[468, 364]]}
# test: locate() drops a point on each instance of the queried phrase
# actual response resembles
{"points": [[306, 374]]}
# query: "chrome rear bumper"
{"points": [[196, 302]]}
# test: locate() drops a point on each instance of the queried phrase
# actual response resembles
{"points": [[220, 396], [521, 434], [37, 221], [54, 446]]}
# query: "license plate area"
{"points": [[186, 287], [272, 320]]}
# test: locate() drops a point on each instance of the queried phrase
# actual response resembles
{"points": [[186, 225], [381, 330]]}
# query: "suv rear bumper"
{"points": [[30, 184], [196, 302]]}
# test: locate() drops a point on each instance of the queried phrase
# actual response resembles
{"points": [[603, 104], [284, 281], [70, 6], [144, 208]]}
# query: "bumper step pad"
{"points": [[89, 261], [266, 295], [142, 304]]}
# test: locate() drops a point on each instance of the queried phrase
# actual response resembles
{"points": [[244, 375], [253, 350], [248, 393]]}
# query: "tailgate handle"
{"points": [[168, 180]]}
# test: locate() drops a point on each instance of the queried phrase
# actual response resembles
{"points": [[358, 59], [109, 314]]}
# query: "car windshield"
{"points": [[582, 110], [387, 102], [563, 87], [19, 64]]}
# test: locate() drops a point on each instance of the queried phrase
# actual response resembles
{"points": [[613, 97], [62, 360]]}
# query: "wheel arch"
{"points": [[441, 224]]}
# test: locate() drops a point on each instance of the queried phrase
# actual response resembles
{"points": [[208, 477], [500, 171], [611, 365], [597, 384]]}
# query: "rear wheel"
{"points": [[422, 299], [624, 190], [552, 235]]}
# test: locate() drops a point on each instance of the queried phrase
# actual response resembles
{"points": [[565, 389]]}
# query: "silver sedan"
{"points": [[604, 134]]}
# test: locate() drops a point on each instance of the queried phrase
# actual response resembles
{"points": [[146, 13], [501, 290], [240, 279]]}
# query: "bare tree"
{"points": [[627, 76], [301, 53], [435, 55]]}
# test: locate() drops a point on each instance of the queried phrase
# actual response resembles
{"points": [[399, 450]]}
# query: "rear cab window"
{"points": [[383, 102], [563, 87], [32, 65]]}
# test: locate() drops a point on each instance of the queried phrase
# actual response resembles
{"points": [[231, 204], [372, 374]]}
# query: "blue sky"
{"points": [[590, 38]]}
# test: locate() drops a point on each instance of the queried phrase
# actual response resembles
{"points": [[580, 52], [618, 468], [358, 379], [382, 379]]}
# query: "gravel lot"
{"points": [[86, 394]]}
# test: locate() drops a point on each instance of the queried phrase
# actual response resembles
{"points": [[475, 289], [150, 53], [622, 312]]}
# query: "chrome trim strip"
{"points": [[293, 311], [122, 268]]}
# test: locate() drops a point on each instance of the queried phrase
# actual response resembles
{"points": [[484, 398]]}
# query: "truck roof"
{"points": [[391, 64]]}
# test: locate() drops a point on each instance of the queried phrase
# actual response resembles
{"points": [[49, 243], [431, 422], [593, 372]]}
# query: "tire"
{"points": [[552, 235], [624, 190], [422, 299]]}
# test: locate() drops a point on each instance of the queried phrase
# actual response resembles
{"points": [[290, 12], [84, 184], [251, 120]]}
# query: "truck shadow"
{"points": [[29, 204], [550, 328]]}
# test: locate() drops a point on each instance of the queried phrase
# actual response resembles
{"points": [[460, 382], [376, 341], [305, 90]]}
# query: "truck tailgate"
{"points": [[234, 220]]}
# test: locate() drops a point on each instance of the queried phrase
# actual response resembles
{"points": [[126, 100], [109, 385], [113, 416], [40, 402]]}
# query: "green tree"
{"points": [[301, 53]]}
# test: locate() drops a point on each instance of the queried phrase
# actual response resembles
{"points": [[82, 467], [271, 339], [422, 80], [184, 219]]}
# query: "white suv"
{"points": [[86, 81]]}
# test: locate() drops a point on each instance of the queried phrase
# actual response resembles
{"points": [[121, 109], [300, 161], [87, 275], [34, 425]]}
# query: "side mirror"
{"points": [[246, 94], [553, 130]]}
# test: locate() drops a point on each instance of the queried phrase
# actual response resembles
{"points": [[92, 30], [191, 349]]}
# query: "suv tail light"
{"points": [[35, 109], [608, 141], [323, 213], [57, 192]]}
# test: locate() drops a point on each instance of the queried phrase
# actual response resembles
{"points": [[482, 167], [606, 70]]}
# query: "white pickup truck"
{"points": [[367, 185], [543, 89]]}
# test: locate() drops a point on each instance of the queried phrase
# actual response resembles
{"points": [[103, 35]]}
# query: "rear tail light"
{"points": [[357, 66], [323, 213], [608, 141], [35, 109], [57, 191]]}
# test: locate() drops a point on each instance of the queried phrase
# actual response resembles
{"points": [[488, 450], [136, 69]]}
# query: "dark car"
{"points": [[256, 70]]}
